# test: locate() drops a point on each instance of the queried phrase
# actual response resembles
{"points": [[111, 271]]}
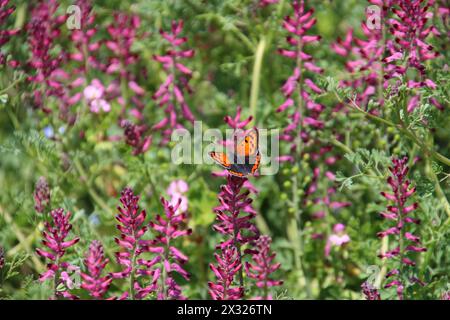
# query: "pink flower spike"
{"points": [[95, 262], [55, 235], [228, 265], [262, 266], [401, 191]]}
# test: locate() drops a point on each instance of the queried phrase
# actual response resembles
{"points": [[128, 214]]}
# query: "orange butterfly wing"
{"points": [[249, 144], [257, 163], [221, 158]]}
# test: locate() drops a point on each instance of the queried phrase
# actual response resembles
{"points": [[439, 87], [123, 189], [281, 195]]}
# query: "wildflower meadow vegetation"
{"points": [[353, 94]]}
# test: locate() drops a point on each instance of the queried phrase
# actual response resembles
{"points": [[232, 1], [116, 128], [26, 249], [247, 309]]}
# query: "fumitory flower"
{"points": [[228, 265], [93, 280], [135, 137], [123, 34], [262, 266], [56, 243], [400, 214], [235, 217], [41, 195], [236, 122], [410, 48], [5, 34], [171, 93], [168, 228], [365, 56], [370, 293], [300, 83], [83, 41], [234, 214], [132, 228], [43, 28]]}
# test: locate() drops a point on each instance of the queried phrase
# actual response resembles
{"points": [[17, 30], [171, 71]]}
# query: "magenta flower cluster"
{"points": [[132, 228], [94, 280], [370, 293], [235, 222], [263, 266], [171, 259], [56, 243], [364, 57], [171, 94], [400, 214], [123, 33], [235, 215], [43, 28], [383, 57], [83, 39], [135, 136], [299, 83], [165, 254], [228, 266], [234, 218], [5, 34]]}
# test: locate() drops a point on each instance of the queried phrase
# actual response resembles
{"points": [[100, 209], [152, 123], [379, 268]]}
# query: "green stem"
{"points": [[256, 77]]}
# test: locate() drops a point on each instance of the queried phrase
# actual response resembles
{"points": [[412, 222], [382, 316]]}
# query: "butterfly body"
{"points": [[245, 159]]}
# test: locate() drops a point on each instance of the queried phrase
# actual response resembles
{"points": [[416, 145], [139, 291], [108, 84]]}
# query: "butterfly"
{"points": [[246, 157]]}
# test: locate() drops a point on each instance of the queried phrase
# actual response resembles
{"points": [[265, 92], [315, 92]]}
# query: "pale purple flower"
{"points": [[177, 190], [338, 238], [94, 95], [177, 186]]}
